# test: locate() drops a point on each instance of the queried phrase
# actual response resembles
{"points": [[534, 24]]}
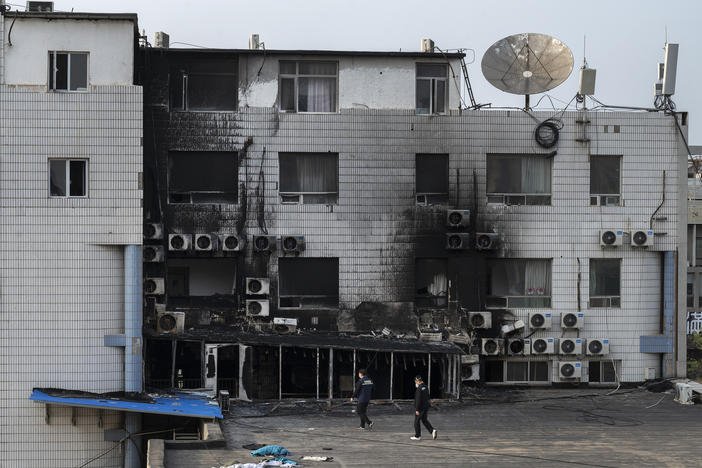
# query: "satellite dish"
{"points": [[527, 64]]}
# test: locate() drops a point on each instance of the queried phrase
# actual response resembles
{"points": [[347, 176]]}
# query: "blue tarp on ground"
{"points": [[174, 405]]}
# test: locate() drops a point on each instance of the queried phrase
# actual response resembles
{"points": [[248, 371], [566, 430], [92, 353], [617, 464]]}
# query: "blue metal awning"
{"points": [[173, 405]]}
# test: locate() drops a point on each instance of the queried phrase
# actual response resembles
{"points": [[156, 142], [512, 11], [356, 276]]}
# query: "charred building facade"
{"points": [[308, 213]]}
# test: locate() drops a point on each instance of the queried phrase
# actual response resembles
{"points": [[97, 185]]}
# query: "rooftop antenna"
{"points": [[527, 63], [587, 79]]}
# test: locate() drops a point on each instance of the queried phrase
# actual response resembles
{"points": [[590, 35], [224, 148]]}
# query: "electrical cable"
{"points": [[128, 436], [453, 75], [191, 45]]}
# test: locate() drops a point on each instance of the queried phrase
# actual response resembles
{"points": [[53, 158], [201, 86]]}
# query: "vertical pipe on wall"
{"points": [[318, 373], [429, 373], [280, 372], [132, 351], [669, 311], [392, 370], [331, 374]]}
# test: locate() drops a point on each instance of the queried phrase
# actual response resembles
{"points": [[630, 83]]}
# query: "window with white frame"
{"points": [[68, 178], [68, 71], [605, 180], [431, 90], [519, 283], [431, 179], [514, 179], [605, 282], [308, 86], [309, 178]]}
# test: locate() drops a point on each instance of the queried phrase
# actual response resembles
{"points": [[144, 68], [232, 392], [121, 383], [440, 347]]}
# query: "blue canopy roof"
{"points": [[174, 405]]}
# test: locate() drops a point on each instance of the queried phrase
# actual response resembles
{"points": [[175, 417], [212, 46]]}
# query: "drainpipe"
{"points": [[133, 320]]}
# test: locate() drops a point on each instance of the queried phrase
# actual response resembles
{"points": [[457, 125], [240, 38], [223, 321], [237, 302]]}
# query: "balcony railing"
{"points": [[694, 322]]}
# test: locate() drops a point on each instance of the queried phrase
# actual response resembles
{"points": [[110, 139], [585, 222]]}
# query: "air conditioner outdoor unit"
{"points": [[519, 346], [570, 346], [292, 244], [643, 238], [487, 240], [258, 286], [170, 322], [204, 242], [570, 369], [458, 218], [284, 325], [683, 393], [539, 320], [232, 242], [542, 346], [597, 346], [470, 359], [153, 231], [257, 307], [611, 237], [179, 242], [153, 253], [458, 241], [492, 346], [470, 372], [154, 286], [480, 319], [264, 243], [572, 319]]}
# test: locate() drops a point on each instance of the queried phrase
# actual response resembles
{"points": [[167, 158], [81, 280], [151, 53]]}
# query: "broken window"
{"points": [[68, 71], [202, 177], [432, 179], [188, 364], [158, 363], [605, 180], [519, 283], [307, 86], [518, 179], [204, 85], [431, 282], [602, 372], [195, 282], [68, 178], [431, 90], [518, 371], [309, 283], [605, 282], [309, 178], [494, 371]]}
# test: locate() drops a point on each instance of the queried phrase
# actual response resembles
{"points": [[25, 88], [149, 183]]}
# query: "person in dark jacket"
{"points": [[363, 390], [421, 407]]}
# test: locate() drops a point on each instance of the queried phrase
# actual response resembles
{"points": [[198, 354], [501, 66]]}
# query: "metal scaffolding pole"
{"points": [[429, 373], [280, 372], [317, 373], [392, 370], [331, 374]]}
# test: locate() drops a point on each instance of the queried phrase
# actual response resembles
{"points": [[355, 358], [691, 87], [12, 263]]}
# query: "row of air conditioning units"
{"points": [[542, 346], [537, 320], [615, 238], [205, 242], [462, 241]]}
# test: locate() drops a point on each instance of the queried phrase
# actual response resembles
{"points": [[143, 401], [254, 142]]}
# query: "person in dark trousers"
{"points": [[421, 407], [363, 390]]}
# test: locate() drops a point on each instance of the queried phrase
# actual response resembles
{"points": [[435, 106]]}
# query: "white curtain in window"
{"points": [[537, 277], [536, 174], [316, 173], [317, 94], [438, 284]]}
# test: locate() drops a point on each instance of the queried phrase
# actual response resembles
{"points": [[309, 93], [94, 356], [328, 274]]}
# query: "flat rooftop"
{"points": [[494, 427]]}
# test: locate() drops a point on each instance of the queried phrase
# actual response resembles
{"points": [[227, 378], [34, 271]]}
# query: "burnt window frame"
{"points": [[521, 198], [298, 197], [606, 199], [604, 301], [171, 196], [530, 372], [433, 80], [431, 198], [296, 89], [520, 301], [51, 82], [615, 371], [67, 180], [191, 65], [438, 301], [307, 301]]}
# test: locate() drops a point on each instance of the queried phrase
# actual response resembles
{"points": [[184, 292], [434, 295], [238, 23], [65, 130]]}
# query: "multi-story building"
{"points": [[308, 212], [70, 232], [694, 243]]}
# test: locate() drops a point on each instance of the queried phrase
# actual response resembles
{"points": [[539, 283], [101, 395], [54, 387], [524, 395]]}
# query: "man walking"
{"points": [[363, 390], [421, 408]]}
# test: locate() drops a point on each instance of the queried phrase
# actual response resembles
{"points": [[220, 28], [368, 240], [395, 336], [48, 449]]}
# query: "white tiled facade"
{"points": [[62, 259]]}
